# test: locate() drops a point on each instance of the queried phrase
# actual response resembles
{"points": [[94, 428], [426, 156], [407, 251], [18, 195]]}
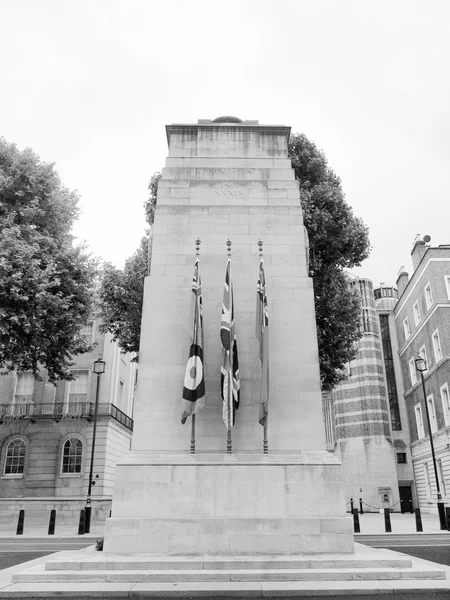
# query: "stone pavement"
{"points": [[371, 523]]}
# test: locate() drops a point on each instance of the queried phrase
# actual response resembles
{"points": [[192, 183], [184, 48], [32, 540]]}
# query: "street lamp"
{"points": [[421, 366], [99, 369]]}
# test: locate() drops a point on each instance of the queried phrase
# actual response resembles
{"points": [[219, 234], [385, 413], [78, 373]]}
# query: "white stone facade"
{"points": [[227, 180]]}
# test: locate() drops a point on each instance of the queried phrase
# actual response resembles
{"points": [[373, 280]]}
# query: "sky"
{"points": [[90, 85]]}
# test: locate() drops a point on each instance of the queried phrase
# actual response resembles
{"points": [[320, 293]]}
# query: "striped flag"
{"points": [[229, 371], [262, 333], [194, 378]]}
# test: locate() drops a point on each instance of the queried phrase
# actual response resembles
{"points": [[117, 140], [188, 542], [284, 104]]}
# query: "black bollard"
{"points": [[81, 524], [361, 506], [351, 505], [110, 513], [51, 523], [447, 517], [418, 519], [387, 521], [20, 523], [356, 527], [87, 519]]}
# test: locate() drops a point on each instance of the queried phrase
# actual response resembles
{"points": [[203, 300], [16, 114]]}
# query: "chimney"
{"points": [[418, 251], [402, 280]]}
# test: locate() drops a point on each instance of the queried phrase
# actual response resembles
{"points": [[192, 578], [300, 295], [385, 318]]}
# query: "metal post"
{"points": [[192, 450], [20, 523], [51, 524], [419, 526], [88, 508], [361, 506], [351, 505], [356, 527], [440, 504], [82, 522], [387, 521]]}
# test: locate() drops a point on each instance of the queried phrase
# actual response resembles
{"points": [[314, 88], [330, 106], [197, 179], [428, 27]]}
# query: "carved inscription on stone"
{"points": [[232, 192], [229, 188]]}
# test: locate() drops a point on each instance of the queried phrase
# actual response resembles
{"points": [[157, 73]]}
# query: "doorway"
{"points": [[406, 502]]}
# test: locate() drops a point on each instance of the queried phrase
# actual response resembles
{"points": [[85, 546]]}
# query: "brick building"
{"points": [[46, 434], [422, 319]]}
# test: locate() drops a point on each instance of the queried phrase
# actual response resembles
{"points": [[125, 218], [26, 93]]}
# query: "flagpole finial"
{"points": [[197, 246], [228, 248], [260, 247]]}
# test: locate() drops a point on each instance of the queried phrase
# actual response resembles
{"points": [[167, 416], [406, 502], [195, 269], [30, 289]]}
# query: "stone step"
{"points": [[136, 564], [245, 575]]}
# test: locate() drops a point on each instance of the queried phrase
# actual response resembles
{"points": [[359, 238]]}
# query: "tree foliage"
{"points": [[338, 241], [120, 298], [45, 280]]}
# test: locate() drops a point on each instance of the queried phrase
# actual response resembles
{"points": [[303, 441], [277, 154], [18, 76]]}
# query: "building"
{"points": [[368, 434], [422, 321], [46, 434]]}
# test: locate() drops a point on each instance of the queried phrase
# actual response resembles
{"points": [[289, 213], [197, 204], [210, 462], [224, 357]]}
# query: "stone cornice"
{"points": [[193, 128]]}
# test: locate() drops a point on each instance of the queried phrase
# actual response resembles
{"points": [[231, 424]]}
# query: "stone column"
{"points": [[229, 180]]}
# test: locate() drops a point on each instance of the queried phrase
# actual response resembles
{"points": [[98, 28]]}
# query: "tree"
{"points": [[338, 240], [45, 280], [120, 298]]}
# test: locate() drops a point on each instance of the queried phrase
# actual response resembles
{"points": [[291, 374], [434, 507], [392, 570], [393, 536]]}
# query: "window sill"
{"points": [[18, 476], [69, 475]]}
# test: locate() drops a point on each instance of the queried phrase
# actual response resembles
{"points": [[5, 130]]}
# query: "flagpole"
{"points": [[230, 385], [265, 438], [197, 254]]}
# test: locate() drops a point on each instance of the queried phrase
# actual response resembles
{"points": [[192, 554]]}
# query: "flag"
{"points": [[229, 371], [194, 378], [262, 333]]}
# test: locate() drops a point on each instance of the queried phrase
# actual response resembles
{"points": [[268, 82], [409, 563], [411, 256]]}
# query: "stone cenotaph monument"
{"points": [[229, 179]]}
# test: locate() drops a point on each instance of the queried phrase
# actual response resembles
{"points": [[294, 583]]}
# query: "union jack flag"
{"points": [[229, 371], [262, 333]]}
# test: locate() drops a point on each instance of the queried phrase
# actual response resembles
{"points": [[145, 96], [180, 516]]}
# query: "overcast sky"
{"points": [[91, 85]]}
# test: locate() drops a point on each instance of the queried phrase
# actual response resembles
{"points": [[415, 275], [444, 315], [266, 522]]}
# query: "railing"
{"points": [[63, 410], [120, 416]]}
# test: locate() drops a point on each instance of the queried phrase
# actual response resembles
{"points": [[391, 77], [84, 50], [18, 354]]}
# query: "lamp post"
{"points": [[99, 369], [421, 366]]}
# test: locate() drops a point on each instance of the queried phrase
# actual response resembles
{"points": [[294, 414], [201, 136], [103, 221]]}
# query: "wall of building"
{"points": [[47, 423], [363, 436], [432, 268]]}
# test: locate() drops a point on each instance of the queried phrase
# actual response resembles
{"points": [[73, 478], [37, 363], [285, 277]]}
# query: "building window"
{"points": [[72, 454], [428, 296], [426, 474], [447, 285], [406, 328], [423, 354], [78, 393], [391, 381], [401, 458], [436, 346], [24, 388], [412, 371], [441, 476], [87, 332], [15, 457], [432, 413], [445, 397], [419, 421], [416, 309]]}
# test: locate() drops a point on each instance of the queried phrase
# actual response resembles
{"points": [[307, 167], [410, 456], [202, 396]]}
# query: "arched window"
{"points": [[72, 454], [15, 457]]}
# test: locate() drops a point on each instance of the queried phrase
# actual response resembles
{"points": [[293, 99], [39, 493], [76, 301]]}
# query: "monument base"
{"points": [[229, 505]]}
